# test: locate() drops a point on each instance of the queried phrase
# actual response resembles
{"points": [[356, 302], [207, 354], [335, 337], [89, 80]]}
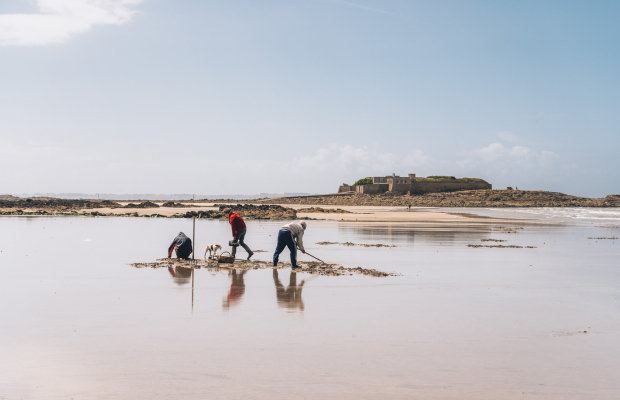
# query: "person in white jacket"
{"points": [[291, 236]]}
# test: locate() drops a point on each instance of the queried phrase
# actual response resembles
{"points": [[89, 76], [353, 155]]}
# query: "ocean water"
{"points": [[587, 215], [457, 323]]}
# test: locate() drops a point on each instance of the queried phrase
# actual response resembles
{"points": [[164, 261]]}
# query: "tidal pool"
{"points": [[458, 323]]}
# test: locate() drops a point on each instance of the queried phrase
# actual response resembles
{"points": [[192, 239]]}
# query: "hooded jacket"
{"points": [[236, 223], [181, 244]]}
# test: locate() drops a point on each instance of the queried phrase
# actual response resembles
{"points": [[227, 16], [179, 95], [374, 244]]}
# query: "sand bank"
{"points": [[417, 216], [372, 214], [312, 267]]}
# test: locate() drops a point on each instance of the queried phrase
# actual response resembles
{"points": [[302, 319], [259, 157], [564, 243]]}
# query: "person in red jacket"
{"points": [[238, 231]]}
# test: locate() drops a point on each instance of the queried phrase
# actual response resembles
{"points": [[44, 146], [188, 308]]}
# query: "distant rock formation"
{"points": [[465, 198]]}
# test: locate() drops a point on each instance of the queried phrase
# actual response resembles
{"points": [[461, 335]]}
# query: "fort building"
{"points": [[411, 184]]}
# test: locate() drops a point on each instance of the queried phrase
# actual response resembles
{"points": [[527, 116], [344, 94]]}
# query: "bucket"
{"points": [[222, 259]]}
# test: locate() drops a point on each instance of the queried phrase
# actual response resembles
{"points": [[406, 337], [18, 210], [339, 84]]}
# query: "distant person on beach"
{"points": [[182, 245], [291, 236], [238, 231]]}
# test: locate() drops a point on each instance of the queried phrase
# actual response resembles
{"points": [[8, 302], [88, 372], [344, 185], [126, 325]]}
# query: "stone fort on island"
{"points": [[411, 184]]}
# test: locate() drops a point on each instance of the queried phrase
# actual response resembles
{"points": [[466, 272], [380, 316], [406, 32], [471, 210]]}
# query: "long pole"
{"points": [[193, 256], [315, 257], [192, 289]]}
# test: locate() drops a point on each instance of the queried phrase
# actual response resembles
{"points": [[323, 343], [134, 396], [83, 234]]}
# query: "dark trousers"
{"points": [[239, 236], [285, 239], [184, 253]]}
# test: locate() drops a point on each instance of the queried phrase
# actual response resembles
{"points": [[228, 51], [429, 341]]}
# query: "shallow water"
{"points": [[459, 323], [582, 215]]}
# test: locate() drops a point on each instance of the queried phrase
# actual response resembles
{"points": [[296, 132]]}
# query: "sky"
{"points": [[252, 96]]}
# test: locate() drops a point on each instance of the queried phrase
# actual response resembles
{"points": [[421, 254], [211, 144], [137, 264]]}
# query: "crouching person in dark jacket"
{"points": [[182, 245]]}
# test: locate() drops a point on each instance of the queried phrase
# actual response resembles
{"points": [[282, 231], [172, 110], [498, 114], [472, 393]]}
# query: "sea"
{"points": [[559, 214], [536, 315]]}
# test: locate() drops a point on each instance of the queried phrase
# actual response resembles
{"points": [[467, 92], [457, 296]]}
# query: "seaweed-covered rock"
{"points": [[310, 267], [464, 198], [146, 204], [209, 214], [173, 204], [323, 210], [613, 200], [262, 211], [56, 204]]}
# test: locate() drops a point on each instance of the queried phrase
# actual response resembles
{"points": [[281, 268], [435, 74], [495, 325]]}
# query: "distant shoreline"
{"points": [[465, 198], [419, 216], [284, 208]]}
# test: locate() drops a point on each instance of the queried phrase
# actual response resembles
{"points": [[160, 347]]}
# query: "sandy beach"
{"points": [[367, 214]]}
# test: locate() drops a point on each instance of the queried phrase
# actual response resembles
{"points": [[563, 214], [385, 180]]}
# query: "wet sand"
{"points": [[312, 267], [417, 215], [456, 323]]}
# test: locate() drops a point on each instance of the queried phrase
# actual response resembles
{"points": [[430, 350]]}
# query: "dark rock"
{"points": [[146, 204]]}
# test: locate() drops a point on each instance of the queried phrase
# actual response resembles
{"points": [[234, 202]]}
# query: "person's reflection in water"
{"points": [[237, 289], [181, 276], [290, 297]]}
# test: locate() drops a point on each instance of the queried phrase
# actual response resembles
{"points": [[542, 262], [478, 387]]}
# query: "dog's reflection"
{"points": [[237, 288], [180, 275], [289, 297]]}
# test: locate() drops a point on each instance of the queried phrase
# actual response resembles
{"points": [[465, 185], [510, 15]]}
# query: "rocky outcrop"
{"points": [[56, 204], [466, 198], [613, 200], [173, 204], [209, 214], [323, 210], [260, 211], [146, 204], [247, 211], [272, 208]]}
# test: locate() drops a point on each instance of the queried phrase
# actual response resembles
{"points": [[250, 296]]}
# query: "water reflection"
{"points": [[180, 276], [237, 288], [411, 235], [289, 297]]}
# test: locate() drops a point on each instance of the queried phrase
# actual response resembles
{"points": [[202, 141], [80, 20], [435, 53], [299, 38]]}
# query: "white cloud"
{"points": [[58, 20], [507, 136], [328, 166], [493, 159], [61, 167], [346, 159], [325, 168], [418, 159], [498, 158]]}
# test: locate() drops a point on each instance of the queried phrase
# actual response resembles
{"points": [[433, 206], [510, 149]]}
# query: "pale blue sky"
{"points": [[301, 95]]}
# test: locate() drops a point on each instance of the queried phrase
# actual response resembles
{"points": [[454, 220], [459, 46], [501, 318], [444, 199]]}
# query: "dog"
{"points": [[212, 249]]}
